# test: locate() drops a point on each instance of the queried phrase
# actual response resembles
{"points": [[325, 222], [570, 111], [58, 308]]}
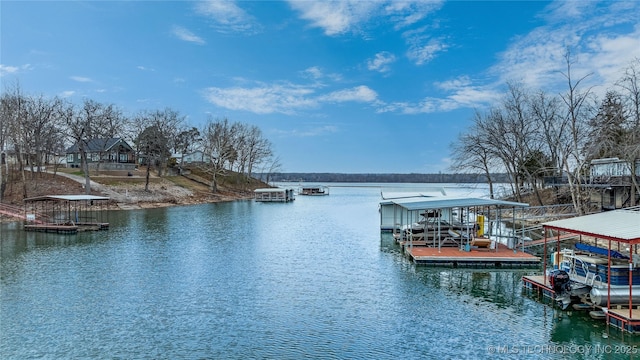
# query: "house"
{"points": [[105, 153], [614, 180], [192, 158], [9, 157]]}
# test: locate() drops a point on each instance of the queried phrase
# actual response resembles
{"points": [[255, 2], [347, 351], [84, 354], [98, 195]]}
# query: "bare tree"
{"points": [[155, 133], [45, 136], [90, 122], [574, 160], [153, 144], [14, 125], [271, 165], [545, 113], [218, 144], [630, 84], [186, 141], [472, 153], [258, 149]]}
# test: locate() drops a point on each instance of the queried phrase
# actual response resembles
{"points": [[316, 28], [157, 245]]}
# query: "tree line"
{"points": [[460, 178], [531, 134], [36, 128]]}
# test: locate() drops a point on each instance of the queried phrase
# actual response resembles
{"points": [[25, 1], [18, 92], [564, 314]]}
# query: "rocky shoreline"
{"points": [[126, 195]]}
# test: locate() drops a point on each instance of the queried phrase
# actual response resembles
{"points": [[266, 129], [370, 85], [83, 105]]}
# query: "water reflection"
{"points": [[309, 279]]}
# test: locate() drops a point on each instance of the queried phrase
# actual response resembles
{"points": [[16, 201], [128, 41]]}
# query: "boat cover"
{"points": [[600, 251]]}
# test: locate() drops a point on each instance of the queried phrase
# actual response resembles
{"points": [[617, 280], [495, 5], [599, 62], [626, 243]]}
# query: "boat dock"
{"points": [[454, 232], [500, 257], [539, 284], [314, 190], [273, 195], [618, 316], [65, 214], [608, 276]]}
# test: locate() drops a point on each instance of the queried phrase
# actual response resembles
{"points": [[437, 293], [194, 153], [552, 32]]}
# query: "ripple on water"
{"points": [[308, 279]]}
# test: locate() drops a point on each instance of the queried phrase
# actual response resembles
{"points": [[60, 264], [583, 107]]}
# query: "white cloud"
{"points": [[81, 79], [423, 53], [312, 132], [265, 99], [229, 17], [381, 62], [68, 93], [611, 54], [283, 98], [454, 84], [406, 13], [335, 17], [600, 46], [462, 94], [342, 16], [186, 35], [313, 72], [6, 69], [316, 73], [357, 94]]}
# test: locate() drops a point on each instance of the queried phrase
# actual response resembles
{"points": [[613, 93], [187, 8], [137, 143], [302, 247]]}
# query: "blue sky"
{"points": [[336, 86]]}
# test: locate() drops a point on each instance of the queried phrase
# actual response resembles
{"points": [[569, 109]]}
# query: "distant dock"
{"points": [[274, 195]]}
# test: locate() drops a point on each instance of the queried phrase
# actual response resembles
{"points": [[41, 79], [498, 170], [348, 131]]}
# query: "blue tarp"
{"points": [[600, 251]]}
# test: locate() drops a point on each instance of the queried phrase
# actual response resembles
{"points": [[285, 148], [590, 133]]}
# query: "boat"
{"points": [[589, 273], [582, 306], [314, 190], [598, 314]]}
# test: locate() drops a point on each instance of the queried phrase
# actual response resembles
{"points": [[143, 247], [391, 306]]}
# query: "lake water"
{"points": [[311, 279]]}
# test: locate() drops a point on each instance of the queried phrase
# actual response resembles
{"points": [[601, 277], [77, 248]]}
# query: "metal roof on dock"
{"points": [[443, 202], [618, 225], [66, 198]]}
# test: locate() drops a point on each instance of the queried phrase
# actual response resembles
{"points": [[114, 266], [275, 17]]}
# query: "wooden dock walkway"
{"points": [[551, 240], [475, 257]]}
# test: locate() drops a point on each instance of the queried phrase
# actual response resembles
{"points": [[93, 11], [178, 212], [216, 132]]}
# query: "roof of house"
{"points": [[99, 144]]}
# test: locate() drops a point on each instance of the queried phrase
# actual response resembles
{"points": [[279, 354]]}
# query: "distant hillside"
{"points": [[386, 178]]}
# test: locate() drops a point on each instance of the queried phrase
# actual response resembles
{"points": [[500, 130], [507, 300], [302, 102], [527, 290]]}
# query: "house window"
{"points": [[123, 158], [95, 157], [69, 158]]}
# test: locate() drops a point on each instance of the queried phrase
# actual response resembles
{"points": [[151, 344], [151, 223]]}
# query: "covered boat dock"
{"points": [[273, 195], [314, 190], [458, 232], [66, 214], [621, 227]]}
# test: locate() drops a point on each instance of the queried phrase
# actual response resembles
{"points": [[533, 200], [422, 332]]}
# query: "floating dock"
{"points": [[500, 257], [618, 316], [273, 195]]}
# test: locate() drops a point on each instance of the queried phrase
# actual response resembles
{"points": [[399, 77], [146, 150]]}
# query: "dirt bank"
{"points": [[125, 192]]}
